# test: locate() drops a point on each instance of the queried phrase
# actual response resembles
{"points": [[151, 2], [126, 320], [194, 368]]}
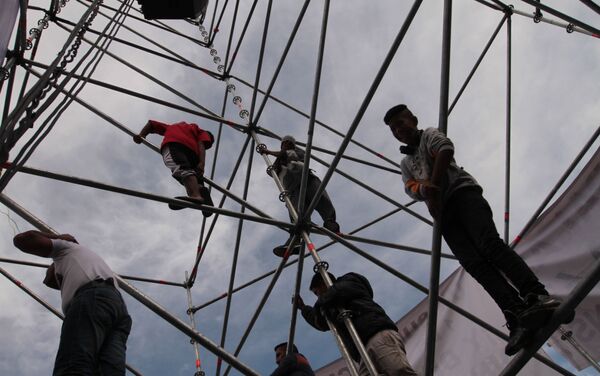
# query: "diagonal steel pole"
{"points": [[329, 128], [236, 250], [556, 187], [38, 265], [436, 246], [308, 150], [363, 107], [261, 56], [9, 123], [479, 60], [288, 45], [40, 300], [593, 6], [159, 310], [153, 197], [581, 290], [239, 43], [320, 267], [214, 30]]}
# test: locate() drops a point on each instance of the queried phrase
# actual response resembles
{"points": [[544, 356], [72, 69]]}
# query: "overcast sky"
{"points": [[555, 110]]}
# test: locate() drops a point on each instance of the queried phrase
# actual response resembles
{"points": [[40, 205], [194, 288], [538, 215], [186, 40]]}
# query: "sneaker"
{"points": [[332, 225], [539, 310], [280, 250], [519, 335]]}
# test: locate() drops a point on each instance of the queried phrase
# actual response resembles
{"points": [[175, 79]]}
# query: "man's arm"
{"points": [[35, 242], [148, 129], [50, 279], [313, 317], [433, 191], [270, 152]]}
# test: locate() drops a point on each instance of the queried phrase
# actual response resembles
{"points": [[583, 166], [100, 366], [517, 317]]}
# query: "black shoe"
{"points": [[519, 335], [534, 299], [185, 198], [332, 225], [280, 250], [539, 310]]}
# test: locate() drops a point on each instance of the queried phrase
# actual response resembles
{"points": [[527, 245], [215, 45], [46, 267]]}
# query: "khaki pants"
{"points": [[387, 353]]}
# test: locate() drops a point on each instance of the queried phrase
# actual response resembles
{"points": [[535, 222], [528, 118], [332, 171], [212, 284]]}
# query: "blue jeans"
{"points": [[469, 230], [94, 333]]}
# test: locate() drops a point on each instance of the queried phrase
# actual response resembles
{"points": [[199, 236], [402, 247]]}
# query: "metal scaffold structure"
{"points": [[38, 95]]}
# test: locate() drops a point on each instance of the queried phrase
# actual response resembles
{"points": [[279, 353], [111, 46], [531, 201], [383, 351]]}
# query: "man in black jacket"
{"points": [[293, 364], [377, 331]]}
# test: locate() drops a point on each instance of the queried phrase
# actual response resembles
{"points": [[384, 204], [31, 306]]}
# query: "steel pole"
{"points": [[508, 128], [557, 186], [288, 45], [198, 363], [564, 17], [363, 107], [436, 242], [581, 290]]}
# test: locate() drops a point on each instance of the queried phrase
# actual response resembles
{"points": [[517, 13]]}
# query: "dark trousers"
{"points": [[469, 230], [94, 333], [324, 206]]}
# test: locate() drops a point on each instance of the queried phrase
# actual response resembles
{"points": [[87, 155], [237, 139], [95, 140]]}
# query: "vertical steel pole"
{"points": [[508, 126], [188, 289], [261, 56], [313, 114], [436, 246], [236, 251]]}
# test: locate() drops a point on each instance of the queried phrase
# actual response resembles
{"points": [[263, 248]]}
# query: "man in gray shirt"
{"points": [[454, 198], [96, 325], [288, 166]]}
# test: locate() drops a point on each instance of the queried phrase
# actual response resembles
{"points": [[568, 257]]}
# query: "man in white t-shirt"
{"points": [[96, 325]]}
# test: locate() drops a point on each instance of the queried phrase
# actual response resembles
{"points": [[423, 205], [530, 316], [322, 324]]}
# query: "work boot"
{"points": [[279, 251], [519, 335], [332, 225], [186, 198], [539, 310]]}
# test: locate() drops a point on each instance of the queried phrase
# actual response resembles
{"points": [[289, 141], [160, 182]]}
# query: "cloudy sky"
{"points": [[555, 102]]}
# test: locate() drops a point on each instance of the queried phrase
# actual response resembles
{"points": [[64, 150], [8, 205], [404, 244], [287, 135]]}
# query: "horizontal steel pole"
{"points": [[141, 279], [149, 196], [394, 246], [564, 17]]}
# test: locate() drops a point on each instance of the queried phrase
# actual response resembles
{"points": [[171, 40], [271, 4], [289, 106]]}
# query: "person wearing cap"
{"points": [[288, 166], [183, 149], [378, 333], [96, 325], [293, 364], [455, 200]]}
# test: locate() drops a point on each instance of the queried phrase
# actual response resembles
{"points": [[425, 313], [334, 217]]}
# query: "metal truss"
{"points": [[301, 228]]}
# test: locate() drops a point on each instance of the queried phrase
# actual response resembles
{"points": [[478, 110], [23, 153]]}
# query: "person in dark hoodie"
{"points": [[377, 331], [292, 364]]}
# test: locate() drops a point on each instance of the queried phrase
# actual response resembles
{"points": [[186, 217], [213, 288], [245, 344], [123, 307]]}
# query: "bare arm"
{"points": [[148, 129], [270, 152], [433, 191], [34, 242]]}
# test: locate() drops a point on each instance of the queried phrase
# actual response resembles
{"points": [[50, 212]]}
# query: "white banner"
{"points": [[560, 248], [8, 16]]}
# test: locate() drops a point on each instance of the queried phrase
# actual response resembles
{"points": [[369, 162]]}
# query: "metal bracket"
{"points": [[320, 265]]}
